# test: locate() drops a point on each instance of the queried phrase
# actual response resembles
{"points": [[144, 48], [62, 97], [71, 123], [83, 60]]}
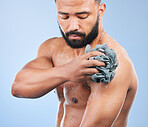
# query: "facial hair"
{"points": [[75, 43]]}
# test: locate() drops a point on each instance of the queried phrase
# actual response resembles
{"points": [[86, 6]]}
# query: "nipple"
{"points": [[74, 100]]}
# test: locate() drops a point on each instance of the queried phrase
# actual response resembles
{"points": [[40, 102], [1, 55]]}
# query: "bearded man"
{"points": [[61, 64]]}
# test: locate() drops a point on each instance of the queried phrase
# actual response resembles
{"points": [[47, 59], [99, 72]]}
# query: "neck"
{"points": [[98, 39]]}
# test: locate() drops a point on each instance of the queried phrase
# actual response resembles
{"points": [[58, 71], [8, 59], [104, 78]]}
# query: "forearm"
{"points": [[33, 83]]}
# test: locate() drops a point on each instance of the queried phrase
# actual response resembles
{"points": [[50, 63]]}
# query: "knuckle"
{"points": [[89, 54], [81, 72], [94, 63], [94, 53], [81, 64], [84, 63]]}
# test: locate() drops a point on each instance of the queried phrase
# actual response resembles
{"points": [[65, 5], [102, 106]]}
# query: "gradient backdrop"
{"points": [[25, 24]]}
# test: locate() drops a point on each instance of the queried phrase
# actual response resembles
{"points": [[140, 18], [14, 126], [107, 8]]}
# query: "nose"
{"points": [[73, 24]]}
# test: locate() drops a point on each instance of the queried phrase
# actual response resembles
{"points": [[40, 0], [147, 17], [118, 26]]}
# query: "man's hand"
{"points": [[80, 67]]}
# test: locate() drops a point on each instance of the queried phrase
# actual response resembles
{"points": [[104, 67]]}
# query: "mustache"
{"points": [[76, 33]]}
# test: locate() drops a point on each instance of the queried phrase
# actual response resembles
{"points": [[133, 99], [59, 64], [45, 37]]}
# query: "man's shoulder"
{"points": [[121, 52], [117, 47], [123, 57], [50, 46], [125, 70], [53, 42]]}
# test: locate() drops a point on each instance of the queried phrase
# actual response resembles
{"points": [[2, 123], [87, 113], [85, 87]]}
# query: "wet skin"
{"points": [[82, 102], [74, 97], [110, 102]]}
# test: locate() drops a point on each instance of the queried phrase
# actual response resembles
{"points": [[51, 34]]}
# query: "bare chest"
{"points": [[73, 93]]}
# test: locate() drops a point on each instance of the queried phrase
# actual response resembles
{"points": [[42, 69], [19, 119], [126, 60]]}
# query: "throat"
{"points": [[78, 52]]}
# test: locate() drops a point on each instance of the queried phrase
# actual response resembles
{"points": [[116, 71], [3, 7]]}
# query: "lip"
{"points": [[74, 37]]}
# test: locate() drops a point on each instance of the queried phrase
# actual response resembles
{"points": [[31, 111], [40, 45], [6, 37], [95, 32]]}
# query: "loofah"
{"points": [[106, 73]]}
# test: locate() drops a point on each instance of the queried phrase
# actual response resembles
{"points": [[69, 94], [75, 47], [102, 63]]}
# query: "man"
{"points": [[62, 64]]}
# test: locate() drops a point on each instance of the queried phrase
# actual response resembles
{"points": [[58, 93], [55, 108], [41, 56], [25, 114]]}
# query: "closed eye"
{"points": [[64, 16], [82, 16]]}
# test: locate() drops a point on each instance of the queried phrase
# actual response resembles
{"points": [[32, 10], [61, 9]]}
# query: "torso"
{"points": [[73, 97]]}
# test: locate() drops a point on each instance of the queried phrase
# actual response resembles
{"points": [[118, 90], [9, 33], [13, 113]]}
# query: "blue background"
{"points": [[25, 24]]}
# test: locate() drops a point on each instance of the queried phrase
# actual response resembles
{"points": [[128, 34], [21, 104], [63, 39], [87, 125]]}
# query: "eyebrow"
{"points": [[60, 12], [77, 13], [84, 12]]}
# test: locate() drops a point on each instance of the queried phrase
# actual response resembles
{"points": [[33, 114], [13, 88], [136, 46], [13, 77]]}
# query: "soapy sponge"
{"points": [[106, 74]]}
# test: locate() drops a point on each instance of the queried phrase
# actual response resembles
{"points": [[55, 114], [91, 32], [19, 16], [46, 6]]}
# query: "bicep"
{"points": [[44, 58], [104, 107], [39, 63]]}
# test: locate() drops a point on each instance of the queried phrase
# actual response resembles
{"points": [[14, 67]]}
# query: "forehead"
{"points": [[75, 5]]}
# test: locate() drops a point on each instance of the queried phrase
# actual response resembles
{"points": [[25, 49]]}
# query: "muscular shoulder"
{"points": [[125, 70], [130, 72], [50, 46]]}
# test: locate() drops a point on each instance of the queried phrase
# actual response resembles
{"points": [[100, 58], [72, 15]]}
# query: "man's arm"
{"points": [[106, 101], [39, 76], [34, 78]]}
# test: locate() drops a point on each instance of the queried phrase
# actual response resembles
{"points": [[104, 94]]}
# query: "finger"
{"points": [[90, 71], [92, 54], [91, 63]]}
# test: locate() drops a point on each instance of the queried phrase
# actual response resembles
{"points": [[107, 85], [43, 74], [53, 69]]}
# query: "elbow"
{"points": [[21, 89], [16, 87], [16, 90]]}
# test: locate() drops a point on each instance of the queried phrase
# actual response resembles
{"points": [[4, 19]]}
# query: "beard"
{"points": [[75, 43]]}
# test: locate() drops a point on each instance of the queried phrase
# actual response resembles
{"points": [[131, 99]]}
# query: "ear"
{"points": [[101, 10]]}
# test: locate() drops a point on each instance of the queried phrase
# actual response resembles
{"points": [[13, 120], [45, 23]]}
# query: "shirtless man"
{"points": [[62, 64]]}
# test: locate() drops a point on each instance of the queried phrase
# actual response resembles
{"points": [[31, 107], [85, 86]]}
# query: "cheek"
{"points": [[62, 24], [88, 24]]}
